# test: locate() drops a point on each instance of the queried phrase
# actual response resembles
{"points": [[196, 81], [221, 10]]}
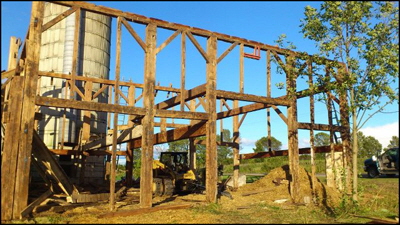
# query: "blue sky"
{"points": [[258, 21]]}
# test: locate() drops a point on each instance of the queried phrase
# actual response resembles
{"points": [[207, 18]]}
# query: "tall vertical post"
{"points": [[129, 150], [183, 70], [27, 120], [146, 172], [192, 145], [236, 134], [293, 131], [85, 128], [211, 141], [116, 101], [269, 95], [312, 121]]}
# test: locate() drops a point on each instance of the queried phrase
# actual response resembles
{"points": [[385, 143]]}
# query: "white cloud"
{"points": [[247, 142], [382, 133]]}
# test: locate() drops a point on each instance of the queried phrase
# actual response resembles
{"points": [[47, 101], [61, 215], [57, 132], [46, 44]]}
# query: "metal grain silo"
{"points": [[94, 61]]}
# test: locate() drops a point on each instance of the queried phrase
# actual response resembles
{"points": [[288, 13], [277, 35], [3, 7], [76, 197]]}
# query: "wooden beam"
{"points": [[47, 160], [25, 213], [183, 70], [319, 149], [190, 94], [211, 140], [28, 112], [227, 51], [166, 42], [115, 122], [104, 81], [133, 33], [241, 110], [88, 153], [191, 131], [92, 106], [124, 136], [197, 45], [146, 171], [59, 18], [250, 98], [114, 108], [226, 144], [10, 148], [324, 127]]}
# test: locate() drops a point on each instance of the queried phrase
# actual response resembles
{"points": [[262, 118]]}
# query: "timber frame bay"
{"points": [[20, 94]]}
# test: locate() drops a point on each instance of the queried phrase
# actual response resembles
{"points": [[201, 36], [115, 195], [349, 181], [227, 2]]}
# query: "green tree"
{"points": [[179, 146], [321, 139], [394, 142], [368, 146], [262, 144], [365, 36]]}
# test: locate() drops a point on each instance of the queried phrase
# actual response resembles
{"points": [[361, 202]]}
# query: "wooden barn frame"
{"points": [[21, 96]]}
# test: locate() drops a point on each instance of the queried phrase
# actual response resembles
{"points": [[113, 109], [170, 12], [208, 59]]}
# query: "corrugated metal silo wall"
{"points": [[94, 61]]}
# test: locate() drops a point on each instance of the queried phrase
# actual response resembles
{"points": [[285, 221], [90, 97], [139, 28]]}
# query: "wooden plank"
{"points": [[133, 33], [114, 108], [146, 179], [75, 56], [319, 149], [190, 94], [197, 45], [46, 159], [88, 153], [8, 74], [58, 18], [269, 134], [25, 213], [28, 112], [226, 144], [236, 149], [105, 81], [316, 126], [166, 42], [104, 87], [92, 106], [115, 122], [144, 210], [280, 114], [227, 51], [129, 150], [241, 110], [250, 98], [211, 146], [195, 130], [183, 70], [125, 136], [10, 150], [241, 68]]}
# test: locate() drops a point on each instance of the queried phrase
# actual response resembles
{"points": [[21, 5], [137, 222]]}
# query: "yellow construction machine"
{"points": [[172, 175]]}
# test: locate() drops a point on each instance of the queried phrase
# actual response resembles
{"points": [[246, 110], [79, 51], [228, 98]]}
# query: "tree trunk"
{"points": [[355, 147]]}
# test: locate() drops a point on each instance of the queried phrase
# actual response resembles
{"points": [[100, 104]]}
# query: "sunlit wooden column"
{"points": [[146, 172], [27, 121], [211, 140], [129, 150], [115, 119]]}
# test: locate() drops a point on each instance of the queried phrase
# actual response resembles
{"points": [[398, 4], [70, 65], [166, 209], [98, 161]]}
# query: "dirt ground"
{"points": [[266, 200]]}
